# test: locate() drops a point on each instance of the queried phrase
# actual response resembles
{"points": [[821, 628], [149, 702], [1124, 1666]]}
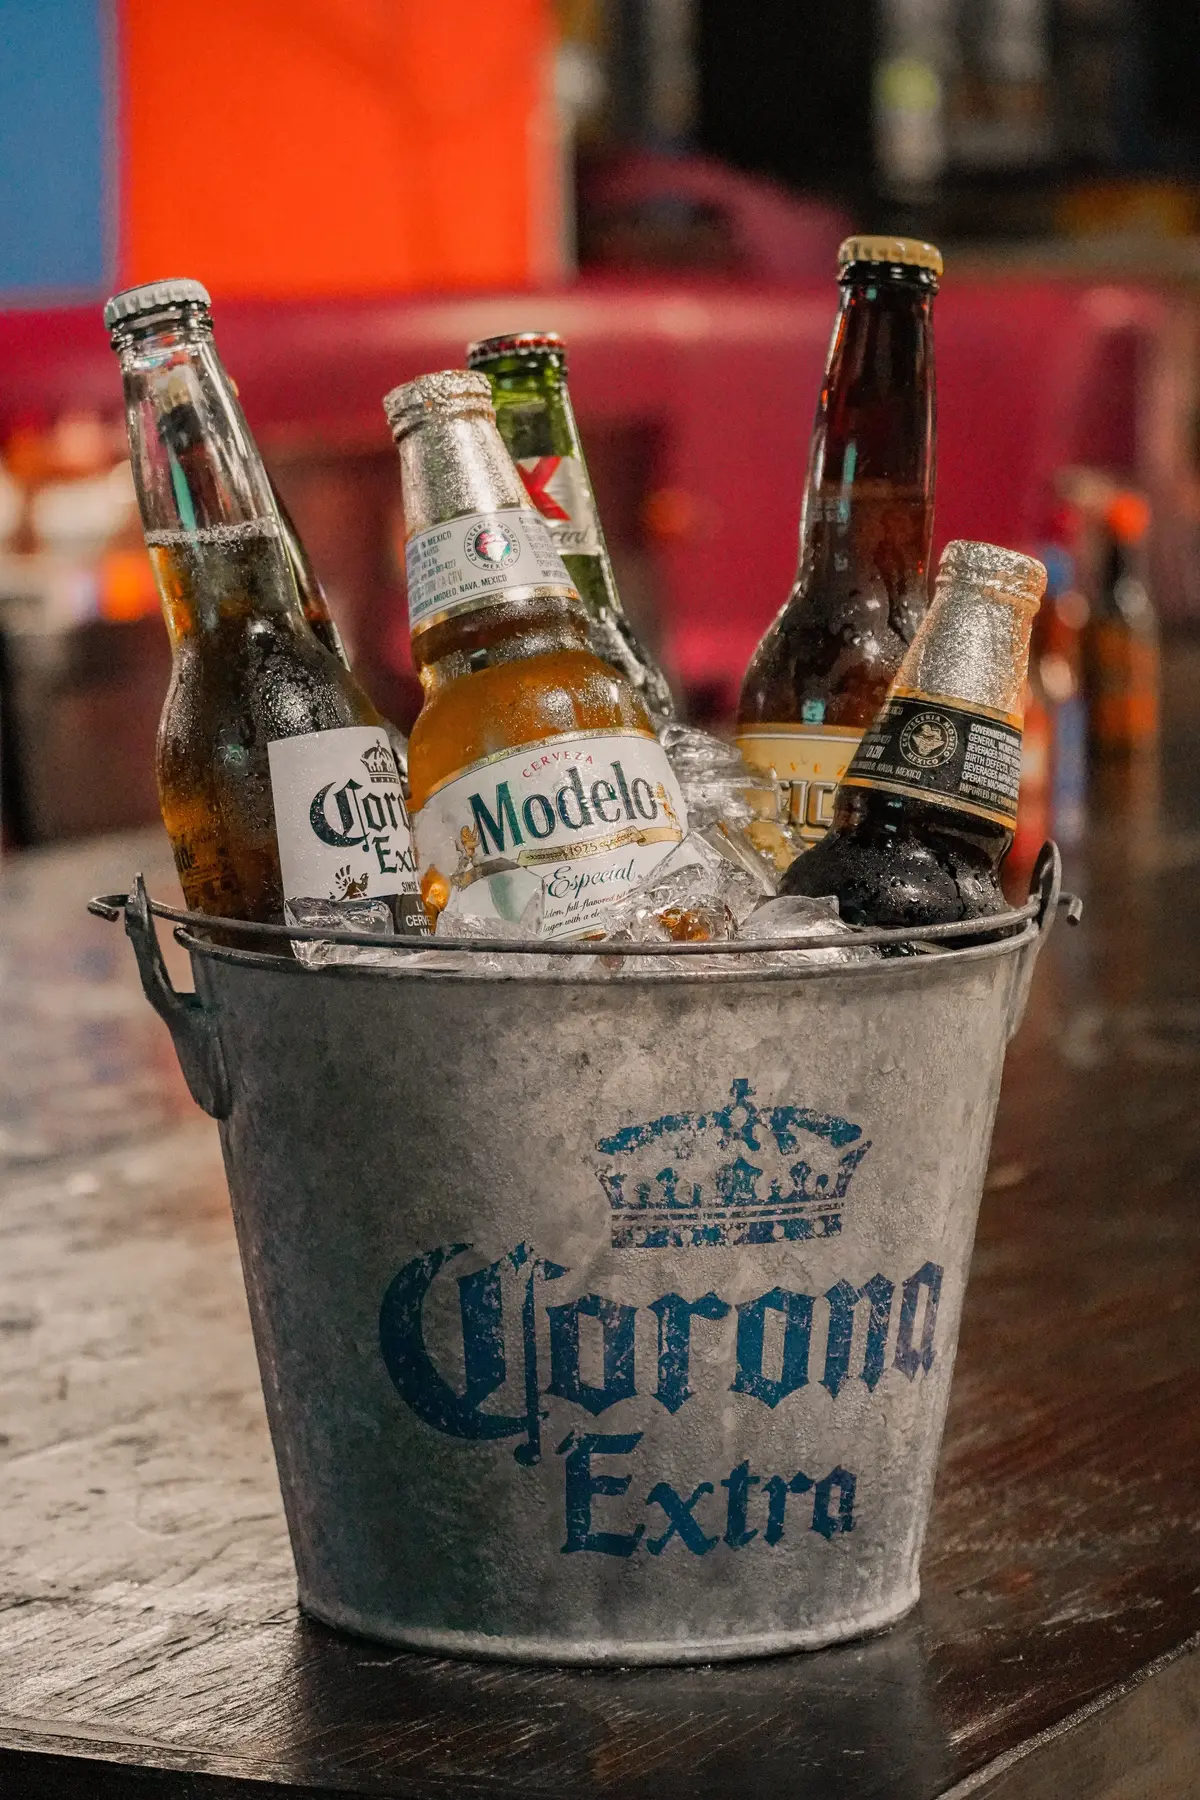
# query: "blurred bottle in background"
{"points": [[1121, 642], [1058, 650], [527, 372], [1035, 799], [820, 674]]}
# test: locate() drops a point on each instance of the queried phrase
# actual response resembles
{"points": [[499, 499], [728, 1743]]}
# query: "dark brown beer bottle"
{"points": [[926, 811], [275, 775], [821, 671]]}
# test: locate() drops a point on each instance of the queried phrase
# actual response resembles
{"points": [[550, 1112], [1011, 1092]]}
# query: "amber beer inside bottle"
{"points": [[252, 691], [505, 664], [821, 671]]}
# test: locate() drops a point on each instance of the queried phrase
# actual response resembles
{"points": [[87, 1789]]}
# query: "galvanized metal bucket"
{"points": [[604, 1321]]}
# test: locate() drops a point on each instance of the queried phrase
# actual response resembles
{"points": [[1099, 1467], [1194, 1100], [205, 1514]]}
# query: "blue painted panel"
{"points": [[53, 146]]}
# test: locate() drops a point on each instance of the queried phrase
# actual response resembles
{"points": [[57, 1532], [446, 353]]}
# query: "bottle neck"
{"points": [[972, 648], [871, 463], [452, 464], [195, 464], [537, 422], [202, 489]]}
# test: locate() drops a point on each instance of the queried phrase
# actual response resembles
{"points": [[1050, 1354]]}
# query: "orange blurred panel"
{"points": [[283, 147]]}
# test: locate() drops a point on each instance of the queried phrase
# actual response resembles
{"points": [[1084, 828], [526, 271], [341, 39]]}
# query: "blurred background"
{"points": [[364, 185]]}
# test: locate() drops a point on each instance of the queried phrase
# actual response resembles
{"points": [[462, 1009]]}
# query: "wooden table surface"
{"points": [[149, 1638]]}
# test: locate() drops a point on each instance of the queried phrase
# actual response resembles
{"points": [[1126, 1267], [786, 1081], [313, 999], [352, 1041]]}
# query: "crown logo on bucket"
{"points": [[741, 1174]]}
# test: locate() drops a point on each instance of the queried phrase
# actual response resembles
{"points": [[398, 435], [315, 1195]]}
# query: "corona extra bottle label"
{"points": [[341, 822]]}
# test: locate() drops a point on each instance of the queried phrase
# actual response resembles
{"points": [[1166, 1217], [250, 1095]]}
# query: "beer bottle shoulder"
{"points": [[510, 703], [827, 657]]}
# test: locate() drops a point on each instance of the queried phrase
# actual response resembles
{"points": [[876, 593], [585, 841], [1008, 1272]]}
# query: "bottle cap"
{"points": [[513, 343], [1005, 572], [453, 391], [909, 253], [153, 296]]}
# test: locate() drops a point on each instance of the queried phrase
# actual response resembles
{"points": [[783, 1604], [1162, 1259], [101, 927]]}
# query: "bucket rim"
{"points": [[680, 975]]}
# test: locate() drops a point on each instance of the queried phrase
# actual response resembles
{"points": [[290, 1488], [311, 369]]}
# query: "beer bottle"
{"points": [[314, 604], [527, 371], [275, 775], [1121, 637], [821, 671], [926, 810], [535, 774]]}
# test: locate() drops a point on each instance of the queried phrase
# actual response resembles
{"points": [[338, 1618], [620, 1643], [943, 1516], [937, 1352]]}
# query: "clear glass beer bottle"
{"points": [[275, 775], [926, 811], [527, 371], [535, 774], [821, 671]]}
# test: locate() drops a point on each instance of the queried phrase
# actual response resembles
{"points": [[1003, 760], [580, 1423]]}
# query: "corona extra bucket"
{"points": [[610, 1320]]}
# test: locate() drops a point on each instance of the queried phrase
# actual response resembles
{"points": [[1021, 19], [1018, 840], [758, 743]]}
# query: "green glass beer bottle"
{"points": [[527, 371]]}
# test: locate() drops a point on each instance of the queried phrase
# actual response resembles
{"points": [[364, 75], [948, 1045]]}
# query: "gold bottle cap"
{"points": [[910, 253], [1005, 572], [456, 391]]}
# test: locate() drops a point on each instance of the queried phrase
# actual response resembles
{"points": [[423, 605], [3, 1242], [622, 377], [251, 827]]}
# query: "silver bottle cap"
{"points": [[455, 393], [153, 296], [987, 566]]}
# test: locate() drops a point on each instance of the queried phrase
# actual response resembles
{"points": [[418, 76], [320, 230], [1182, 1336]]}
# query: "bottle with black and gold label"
{"points": [[926, 811], [539, 790], [821, 671]]}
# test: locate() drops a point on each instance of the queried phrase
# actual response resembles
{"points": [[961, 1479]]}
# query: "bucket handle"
{"points": [[192, 1027], [1045, 890]]}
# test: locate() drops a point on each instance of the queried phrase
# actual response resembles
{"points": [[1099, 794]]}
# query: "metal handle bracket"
{"points": [[193, 1030]]}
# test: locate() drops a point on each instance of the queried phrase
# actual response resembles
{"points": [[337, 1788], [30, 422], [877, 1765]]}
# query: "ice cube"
{"points": [[799, 916], [372, 917]]}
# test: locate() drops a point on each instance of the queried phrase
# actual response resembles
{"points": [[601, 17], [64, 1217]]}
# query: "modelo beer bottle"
{"points": [[926, 811], [821, 672], [534, 773], [275, 775], [527, 371]]}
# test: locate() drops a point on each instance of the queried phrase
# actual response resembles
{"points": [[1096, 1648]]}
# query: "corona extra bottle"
{"points": [[926, 811], [527, 371], [275, 775], [821, 671], [539, 790]]}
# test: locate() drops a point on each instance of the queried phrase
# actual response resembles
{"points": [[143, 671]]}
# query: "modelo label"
{"points": [[453, 567], [965, 757], [584, 818], [341, 822], [559, 489]]}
